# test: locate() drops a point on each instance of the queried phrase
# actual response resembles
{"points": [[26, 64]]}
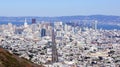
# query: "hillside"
{"points": [[9, 60]]}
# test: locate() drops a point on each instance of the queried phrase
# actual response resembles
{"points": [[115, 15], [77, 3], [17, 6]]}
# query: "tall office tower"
{"points": [[33, 21], [10, 25], [73, 30], [49, 30], [43, 32], [58, 33], [60, 23], [25, 23], [96, 25], [66, 27]]}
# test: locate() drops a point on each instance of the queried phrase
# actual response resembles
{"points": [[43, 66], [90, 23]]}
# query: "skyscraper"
{"points": [[43, 32], [96, 25], [33, 21], [25, 23]]}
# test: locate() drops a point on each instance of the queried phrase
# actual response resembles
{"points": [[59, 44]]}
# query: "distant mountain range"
{"points": [[99, 18]]}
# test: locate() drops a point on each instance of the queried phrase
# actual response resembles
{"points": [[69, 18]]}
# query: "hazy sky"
{"points": [[58, 7]]}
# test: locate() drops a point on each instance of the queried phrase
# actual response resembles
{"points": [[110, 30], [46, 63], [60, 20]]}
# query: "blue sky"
{"points": [[59, 7]]}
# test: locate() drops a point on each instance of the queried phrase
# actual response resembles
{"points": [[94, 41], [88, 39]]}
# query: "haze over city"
{"points": [[59, 7]]}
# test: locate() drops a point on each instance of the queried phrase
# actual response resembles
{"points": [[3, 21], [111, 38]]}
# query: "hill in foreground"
{"points": [[10, 60]]}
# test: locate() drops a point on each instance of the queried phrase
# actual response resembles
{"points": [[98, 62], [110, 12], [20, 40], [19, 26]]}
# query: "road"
{"points": [[54, 49]]}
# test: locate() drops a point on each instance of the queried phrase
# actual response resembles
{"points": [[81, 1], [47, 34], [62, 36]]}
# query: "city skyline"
{"points": [[59, 33], [59, 8]]}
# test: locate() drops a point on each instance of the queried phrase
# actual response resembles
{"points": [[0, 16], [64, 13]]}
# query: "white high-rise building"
{"points": [[10, 26], [96, 25], [25, 23], [66, 27], [73, 30], [58, 33]]}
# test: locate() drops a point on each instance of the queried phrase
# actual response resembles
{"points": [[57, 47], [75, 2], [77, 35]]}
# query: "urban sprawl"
{"points": [[62, 45]]}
